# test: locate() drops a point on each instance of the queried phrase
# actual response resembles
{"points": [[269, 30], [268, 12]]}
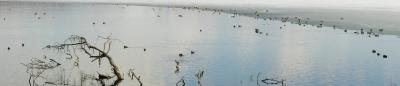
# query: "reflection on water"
{"points": [[161, 46]]}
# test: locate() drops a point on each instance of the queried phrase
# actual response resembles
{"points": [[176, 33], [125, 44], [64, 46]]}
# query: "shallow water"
{"points": [[300, 55]]}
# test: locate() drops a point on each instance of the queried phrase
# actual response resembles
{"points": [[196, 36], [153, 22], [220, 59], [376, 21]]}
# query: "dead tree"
{"points": [[75, 46], [80, 43]]}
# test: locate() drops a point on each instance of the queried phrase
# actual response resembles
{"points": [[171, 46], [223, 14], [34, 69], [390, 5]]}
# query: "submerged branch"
{"points": [[133, 75], [78, 41]]}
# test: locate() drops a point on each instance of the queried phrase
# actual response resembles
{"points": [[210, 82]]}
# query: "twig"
{"points": [[133, 75]]}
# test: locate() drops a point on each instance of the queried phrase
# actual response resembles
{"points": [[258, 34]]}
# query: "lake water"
{"points": [[299, 55]]}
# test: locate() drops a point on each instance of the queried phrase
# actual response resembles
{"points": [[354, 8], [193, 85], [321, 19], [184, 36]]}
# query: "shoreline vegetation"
{"points": [[347, 19]]}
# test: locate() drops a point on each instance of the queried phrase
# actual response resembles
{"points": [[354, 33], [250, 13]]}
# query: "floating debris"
{"points": [[125, 47], [192, 52], [158, 15], [385, 56], [104, 22], [239, 26], [35, 13], [180, 16], [180, 55], [144, 49], [93, 23], [201, 30]]}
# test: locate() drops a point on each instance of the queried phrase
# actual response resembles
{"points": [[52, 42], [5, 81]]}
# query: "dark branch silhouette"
{"points": [[78, 42], [73, 47], [199, 76], [133, 75]]}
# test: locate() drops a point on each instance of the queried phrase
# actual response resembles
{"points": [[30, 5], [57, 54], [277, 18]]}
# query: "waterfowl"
{"points": [[380, 30], [125, 46], [256, 30], [373, 51], [144, 49], [378, 54], [191, 52], [180, 55], [23, 44], [8, 48], [384, 56]]}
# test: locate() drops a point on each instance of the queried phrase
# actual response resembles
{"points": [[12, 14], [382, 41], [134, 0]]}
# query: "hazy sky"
{"points": [[392, 4]]}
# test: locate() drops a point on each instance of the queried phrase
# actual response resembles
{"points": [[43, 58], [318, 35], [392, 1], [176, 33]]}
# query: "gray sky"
{"points": [[386, 4]]}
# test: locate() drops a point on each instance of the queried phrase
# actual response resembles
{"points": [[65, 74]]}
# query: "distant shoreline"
{"points": [[339, 18]]}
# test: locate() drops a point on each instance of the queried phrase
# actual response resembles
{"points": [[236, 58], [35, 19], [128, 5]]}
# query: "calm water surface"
{"points": [[300, 55]]}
